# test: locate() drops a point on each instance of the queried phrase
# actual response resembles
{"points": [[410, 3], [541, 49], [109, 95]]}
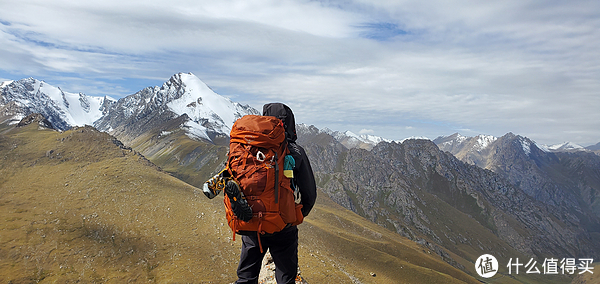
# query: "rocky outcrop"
{"points": [[267, 272], [35, 118]]}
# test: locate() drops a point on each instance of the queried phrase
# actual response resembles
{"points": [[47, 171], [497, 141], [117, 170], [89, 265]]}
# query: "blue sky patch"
{"points": [[381, 31]]}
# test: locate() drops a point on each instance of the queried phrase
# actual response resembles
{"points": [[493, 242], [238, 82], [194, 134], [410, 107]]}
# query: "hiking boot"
{"points": [[216, 184], [239, 205]]}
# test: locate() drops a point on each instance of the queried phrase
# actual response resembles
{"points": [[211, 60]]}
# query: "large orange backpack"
{"points": [[257, 151]]}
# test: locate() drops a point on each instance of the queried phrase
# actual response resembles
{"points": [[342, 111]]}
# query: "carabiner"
{"points": [[260, 156]]}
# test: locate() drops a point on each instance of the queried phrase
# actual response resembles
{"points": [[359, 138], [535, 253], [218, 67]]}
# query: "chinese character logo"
{"points": [[486, 266]]}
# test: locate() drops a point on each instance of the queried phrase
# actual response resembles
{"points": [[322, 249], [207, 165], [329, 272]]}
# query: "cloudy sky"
{"points": [[395, 69]]}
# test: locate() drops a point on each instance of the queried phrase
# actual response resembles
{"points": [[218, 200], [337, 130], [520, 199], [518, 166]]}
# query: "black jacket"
{"points": [[303, 174]]}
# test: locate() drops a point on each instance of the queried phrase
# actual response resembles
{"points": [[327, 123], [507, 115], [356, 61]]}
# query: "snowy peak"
{"points": [[484, 150], [565, 147], [456, 143], [5, 83], [367, 138], [352, 140], [204, 107], [348, 139], [64, 110], [204, 113], [364, 138], [525, 144], [449, 143], [483, 141]]}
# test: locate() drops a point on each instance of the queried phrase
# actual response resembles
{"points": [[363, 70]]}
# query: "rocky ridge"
{"points": [[431, 196], [569, 179]]}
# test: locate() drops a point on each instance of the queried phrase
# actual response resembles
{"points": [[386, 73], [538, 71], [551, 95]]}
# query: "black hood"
{"points": [[286, 115]]}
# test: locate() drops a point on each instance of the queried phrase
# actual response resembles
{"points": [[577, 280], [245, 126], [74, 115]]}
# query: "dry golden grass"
{"points": [[189, 160], [338, 246], [589, 278], [77, 208]]}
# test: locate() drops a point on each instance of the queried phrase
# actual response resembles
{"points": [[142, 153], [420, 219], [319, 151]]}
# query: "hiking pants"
{"points": [[284, 250]]}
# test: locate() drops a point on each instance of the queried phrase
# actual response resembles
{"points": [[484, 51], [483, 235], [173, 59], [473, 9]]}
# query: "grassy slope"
{"points": [[341, 245], [481, 240], [189, 160], [589, 278], [92, 211], [76, 207]]}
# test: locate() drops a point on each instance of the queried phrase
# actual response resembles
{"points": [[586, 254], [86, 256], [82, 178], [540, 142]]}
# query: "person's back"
{"points": [[266, 213], [282, 245], [303, 174]]}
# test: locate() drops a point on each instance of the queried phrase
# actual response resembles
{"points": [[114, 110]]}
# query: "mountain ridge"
{"points": [[329, 176], [63, 109], [484, 140], [510, 197], [553, 177], [207, 114], [203, 123], [78, 206]]}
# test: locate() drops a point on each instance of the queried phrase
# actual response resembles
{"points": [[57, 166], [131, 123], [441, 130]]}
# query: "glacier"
{"points": [[63, 109], [183, 94]]}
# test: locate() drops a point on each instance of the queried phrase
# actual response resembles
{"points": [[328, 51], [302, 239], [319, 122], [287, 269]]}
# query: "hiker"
{"points": [[269, 187]]}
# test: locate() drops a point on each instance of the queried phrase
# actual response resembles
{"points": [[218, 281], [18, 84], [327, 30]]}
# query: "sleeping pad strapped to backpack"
{"points": [[257, 152]]}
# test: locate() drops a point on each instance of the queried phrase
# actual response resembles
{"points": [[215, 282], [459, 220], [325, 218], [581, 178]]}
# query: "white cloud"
{"points": [[366, 131], [527, 67]]}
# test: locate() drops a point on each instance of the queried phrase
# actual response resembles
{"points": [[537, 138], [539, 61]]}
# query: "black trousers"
{"points": [[284, 250]]}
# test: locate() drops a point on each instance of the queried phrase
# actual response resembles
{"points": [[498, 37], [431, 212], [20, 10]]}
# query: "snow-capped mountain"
{"points": [[352, 140], [202, 112], [206, 109], [5, 83], [457, 143], [565, 147], [184, 101], [63, 109], [522, 161]]}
